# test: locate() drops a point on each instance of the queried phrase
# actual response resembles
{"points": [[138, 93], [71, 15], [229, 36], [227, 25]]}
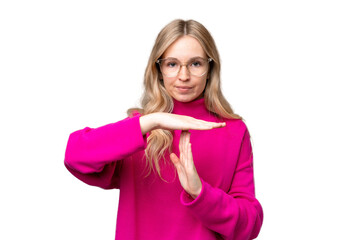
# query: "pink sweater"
{"points": [[111, 156]]}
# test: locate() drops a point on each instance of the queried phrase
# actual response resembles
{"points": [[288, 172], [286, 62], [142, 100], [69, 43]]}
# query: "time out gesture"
{"points": [[184, 163]]}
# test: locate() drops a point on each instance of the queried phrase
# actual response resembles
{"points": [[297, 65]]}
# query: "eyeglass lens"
{"points": [[171, 67]]}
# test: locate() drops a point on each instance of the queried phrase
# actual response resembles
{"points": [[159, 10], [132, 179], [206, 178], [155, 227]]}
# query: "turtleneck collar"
{"points": [[195, 108]]}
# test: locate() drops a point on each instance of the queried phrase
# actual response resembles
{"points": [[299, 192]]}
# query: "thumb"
{"points": [[174, 159]]}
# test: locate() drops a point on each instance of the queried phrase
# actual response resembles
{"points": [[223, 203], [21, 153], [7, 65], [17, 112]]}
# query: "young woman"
{"points": [[183, 161]]}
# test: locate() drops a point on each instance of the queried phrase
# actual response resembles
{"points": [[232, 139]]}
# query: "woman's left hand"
{"points": [[185, 167]]}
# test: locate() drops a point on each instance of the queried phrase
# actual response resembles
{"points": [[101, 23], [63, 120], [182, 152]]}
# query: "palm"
{"points": [[185, 167], [170, 121]]}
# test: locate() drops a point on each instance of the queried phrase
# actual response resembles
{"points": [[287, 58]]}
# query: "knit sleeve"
{"points": [[94, 155], [235, 214]]}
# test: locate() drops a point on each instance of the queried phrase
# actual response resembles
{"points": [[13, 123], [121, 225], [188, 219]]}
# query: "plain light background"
{"points": [[290, 68]]}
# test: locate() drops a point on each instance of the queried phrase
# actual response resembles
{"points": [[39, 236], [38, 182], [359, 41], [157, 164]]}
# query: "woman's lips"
{"points": [[183, 89]]}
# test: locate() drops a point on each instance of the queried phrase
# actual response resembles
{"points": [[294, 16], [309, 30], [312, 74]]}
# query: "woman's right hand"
{"points": [[170, 121]]}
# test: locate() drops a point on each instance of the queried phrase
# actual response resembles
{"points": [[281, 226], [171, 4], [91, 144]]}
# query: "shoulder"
{"points": [[237, 125], [234, 131]]}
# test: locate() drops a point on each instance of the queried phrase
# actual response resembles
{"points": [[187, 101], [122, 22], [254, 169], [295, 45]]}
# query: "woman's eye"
{"points": [[171, 64], [196, 64]]}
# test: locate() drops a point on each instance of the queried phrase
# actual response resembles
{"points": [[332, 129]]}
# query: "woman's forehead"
{"points": [[185, 48]]}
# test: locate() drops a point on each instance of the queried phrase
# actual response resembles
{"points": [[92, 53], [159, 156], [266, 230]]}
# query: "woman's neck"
{"points": [[194, 108]]}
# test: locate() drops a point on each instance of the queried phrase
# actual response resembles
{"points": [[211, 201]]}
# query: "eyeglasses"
{"points": [[170, 67]]}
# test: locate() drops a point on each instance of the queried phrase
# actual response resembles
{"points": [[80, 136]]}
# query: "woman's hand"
{"points": [[185, 167], [170, 121]]}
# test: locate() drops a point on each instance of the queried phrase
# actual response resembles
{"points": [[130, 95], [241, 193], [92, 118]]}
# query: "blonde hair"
{"points": [[156, 99]]}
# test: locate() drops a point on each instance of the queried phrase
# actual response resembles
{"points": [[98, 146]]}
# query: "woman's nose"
{"points": [[184, 73]]}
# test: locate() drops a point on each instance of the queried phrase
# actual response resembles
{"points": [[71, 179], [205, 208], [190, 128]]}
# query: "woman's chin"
{"points": [[184, 98]]}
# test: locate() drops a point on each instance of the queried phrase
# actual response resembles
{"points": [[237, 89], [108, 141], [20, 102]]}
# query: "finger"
{"points": [[188, 141], [185, 160], [174, 159], [181, 142], [221, 124], [177, 164], [186, 150], [209, 125], [182, 147], [189, 157], [203, 124], [189, 154], [218, 124]]}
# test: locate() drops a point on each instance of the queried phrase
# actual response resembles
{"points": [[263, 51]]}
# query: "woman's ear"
{"points": [[160, 76], [161, 80]]}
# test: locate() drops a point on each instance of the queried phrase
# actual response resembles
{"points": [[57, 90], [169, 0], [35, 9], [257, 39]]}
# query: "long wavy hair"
{"points": [[156, 99]]}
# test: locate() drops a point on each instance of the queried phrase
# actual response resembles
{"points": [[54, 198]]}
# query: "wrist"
{"points": [[148, 123], [155, 120], [197, 193]]}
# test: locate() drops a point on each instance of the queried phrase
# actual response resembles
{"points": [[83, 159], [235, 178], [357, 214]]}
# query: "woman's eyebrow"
{"points": [[192, 58], [196, 57]]}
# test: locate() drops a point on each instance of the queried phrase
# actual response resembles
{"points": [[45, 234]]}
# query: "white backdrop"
{"points": [[290, 68]]}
